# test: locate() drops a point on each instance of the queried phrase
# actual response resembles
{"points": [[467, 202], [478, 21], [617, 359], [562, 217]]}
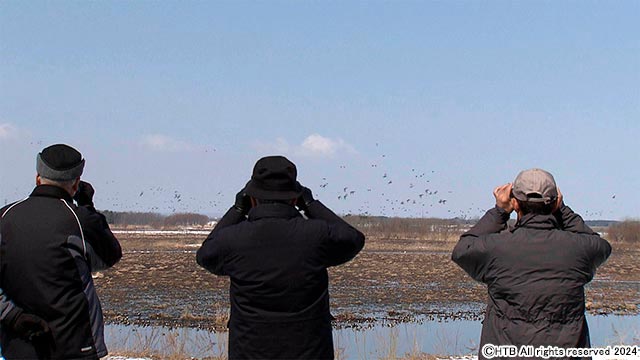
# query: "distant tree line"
{"points": [[625, 231], [152, 219], [382, 226], [600, 223], [186, 219], [404, 228]]}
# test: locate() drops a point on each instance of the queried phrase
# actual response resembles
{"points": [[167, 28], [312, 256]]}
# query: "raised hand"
{"points": [[503, 197]]}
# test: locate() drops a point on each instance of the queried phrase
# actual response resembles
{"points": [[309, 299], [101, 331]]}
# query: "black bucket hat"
{"points": [[274, 178], [59, 162]]}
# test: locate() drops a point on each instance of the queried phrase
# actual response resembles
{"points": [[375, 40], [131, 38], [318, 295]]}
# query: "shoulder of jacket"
{"points": [[579, 237], [494, 239], [233, 230], [4, 209], [320, 224], [8, 207]]}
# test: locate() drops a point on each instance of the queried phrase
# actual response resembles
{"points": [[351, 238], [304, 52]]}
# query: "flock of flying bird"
{"points": [[371, 190], [419, 199]]}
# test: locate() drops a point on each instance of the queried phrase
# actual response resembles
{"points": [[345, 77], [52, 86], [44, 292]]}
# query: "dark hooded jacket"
{"points": [[277, 262], [48, 249], [535, 275]]}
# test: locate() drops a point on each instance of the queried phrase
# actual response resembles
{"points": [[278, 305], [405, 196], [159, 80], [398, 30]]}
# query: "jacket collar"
{"points": [[273, 211], [535, 221], [52, 192]]}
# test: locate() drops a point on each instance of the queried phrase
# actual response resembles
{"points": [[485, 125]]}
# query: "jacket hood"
{"points": [[537, 221], [274, 210]]}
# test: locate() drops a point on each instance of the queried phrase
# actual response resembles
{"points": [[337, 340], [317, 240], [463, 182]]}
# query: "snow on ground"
{"points": [[163, 232]]}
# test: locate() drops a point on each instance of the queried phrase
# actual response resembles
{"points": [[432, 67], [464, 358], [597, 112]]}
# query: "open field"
{"points": [[158, 282]]}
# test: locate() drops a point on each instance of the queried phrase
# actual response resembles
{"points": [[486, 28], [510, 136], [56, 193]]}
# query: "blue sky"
{"points": [[171, 103]]}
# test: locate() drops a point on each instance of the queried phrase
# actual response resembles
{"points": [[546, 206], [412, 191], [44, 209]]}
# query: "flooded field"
{"points": [[159, 283], [399, 284], [453, 338]]}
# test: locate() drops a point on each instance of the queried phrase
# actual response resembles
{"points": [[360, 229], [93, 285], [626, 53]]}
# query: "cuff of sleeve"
{"points": [[11, 316], [563, 209], [501, 213], [318, 210], [238, 209]]}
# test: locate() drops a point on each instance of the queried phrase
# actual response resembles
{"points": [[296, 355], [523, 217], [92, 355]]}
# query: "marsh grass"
{"points": [[178, 344], [171, 344], [387, 346], [626, 336]]}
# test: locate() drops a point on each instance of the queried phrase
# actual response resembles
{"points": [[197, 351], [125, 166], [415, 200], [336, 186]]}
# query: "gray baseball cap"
{"points": [[535, 185]]}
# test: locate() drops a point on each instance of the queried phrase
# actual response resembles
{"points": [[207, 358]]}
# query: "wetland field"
{"points": [[402, 284]]}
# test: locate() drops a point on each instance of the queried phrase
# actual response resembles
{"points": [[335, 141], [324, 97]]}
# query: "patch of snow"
{"points": [[163, 232]]}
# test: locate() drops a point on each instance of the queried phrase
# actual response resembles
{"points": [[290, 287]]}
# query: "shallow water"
{"points": [[454, 337], [461, 337]]}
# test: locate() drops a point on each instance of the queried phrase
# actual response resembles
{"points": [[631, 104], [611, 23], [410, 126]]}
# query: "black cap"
{"points": [[274, 178], [59, 162]]}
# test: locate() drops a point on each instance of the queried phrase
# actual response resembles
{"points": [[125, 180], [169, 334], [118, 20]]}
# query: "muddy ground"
{"points": [[158, 282]]}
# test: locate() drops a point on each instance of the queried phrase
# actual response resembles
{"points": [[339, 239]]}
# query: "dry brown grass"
{"points": [[627, 231], [158, 343]]}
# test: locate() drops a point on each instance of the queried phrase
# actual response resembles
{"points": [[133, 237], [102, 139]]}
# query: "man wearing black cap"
{"points": [[49, 246], [536, 271], [277, 261]]}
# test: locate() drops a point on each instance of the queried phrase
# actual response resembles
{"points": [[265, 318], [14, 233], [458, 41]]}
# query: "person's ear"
{"points": [[38, 180], [75, 187], [515, 205]]}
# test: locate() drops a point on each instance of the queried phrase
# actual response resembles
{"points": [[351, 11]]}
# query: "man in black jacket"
{"points": [[49, 246], [536, 271], [277, 261]]}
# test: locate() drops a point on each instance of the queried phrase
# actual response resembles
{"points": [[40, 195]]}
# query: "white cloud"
{"points": [[316, 144], [159, 142], [313, 145], [7, 131]]}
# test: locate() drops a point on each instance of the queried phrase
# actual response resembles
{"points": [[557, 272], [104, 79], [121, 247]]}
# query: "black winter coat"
{"points": [[277, 262], [48, 249], [535, 275]]}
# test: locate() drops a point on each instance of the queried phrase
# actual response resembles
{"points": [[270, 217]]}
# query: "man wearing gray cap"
{"points": [[536, 271], [49, 246]]}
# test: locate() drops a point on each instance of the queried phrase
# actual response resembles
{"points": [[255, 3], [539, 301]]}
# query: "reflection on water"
{"points": [[457, 337], [614, 330], [190, 342]]}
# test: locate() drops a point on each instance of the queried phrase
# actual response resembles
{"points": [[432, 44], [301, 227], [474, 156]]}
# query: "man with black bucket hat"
{"points": [[277, 261], [49, 246], [536, 271]]}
